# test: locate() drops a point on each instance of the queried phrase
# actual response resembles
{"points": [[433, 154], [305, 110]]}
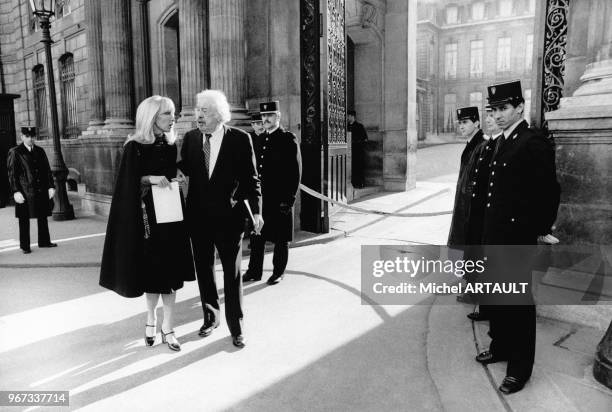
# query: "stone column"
{"points": [[193, 38], [117, 54], [228, 49], [142, 50], [96, 65], [400, 134]]}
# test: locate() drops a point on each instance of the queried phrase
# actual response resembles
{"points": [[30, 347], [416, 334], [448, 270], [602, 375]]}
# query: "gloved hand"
{"points": [[19, 198], [51, 192]]}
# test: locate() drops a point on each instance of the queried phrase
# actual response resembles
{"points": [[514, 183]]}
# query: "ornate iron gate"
{"points": [[323, 95]]}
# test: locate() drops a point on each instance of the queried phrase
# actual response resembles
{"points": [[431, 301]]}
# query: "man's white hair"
{"points": [[217, 101]]}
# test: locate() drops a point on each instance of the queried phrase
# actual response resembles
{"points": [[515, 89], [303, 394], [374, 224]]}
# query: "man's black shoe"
{"points": [[477, 316], [26, 251], [238, 341], [50, 244], [251, 277], [511, 384], [207, 329], [487, 357], [274, 279]]}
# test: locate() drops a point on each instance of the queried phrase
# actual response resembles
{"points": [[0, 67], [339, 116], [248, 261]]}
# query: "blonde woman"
{"points": [[140, 255]]}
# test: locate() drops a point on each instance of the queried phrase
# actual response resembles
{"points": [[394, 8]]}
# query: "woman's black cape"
{"points": [[122, 259]]}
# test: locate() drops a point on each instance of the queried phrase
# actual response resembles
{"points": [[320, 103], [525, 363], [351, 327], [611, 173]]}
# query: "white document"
{"points": [[167, 202]]}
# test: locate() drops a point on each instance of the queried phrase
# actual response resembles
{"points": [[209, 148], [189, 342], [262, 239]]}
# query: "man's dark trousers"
{"points": [[279, 259], [229, 246], [44, 238]]}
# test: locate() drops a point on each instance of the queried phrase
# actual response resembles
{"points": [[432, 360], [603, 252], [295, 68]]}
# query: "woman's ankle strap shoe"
{"points": [[173, 346], [149, 340]]}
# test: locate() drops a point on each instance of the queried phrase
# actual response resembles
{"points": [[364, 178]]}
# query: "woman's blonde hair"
{"points": [[146, 115]]}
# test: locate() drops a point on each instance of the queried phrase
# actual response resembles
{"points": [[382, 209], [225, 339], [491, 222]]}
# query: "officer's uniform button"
{"points": [[488, 204], [489, 194], [473, 194], [491, 184], [504, 165], [480, 158], [493, 173], [494, 163], [512, 220]]}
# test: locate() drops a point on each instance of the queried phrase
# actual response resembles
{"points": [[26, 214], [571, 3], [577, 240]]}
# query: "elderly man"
{"points": [[220, 163], [279, 163], [31, 183]]}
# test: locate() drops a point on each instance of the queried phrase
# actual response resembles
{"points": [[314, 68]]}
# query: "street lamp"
{"points": [[44, 9]]}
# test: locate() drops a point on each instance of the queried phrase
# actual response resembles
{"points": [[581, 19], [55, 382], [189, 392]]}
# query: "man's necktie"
{"points": [[206, 149]]}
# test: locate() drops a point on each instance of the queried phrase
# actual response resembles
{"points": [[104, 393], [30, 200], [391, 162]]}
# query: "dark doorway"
{"points": [[8, 139], [350, 73]]}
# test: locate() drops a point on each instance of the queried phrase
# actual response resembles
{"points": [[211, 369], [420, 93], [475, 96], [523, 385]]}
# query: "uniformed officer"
{"points": [[257, 125], [469, 127], [32, 186], [522, 201], [279, 164], [479, 183]]}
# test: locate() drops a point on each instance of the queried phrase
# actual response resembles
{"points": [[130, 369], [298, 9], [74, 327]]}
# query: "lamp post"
{"points": [[44, 9]]}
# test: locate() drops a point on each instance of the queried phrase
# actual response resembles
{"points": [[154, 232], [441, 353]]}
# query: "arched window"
{"points": [[40, 100], [69, 98]]}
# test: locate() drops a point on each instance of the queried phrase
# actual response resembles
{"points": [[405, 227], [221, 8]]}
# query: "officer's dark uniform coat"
{"points": [[279, 165], [30, 174], [459, 223]]}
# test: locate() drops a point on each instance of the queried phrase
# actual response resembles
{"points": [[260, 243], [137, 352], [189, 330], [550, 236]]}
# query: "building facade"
{"points": [[463, 46], [108, 56]]}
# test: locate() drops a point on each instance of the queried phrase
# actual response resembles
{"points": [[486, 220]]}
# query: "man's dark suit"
{"points": [[216, 214]]}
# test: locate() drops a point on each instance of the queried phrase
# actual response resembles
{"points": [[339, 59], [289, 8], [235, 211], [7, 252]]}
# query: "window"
{"points": [[478, 9], [528, 52], [476, 100], [62, 8], [476, 58], [505, 8], [503, 54], [450, 61], [451, 15], [450, 107], [40, 100], [526, 114], [69, 98]]}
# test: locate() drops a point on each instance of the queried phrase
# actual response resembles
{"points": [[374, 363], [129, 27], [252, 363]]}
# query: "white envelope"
{"points": [[167, 202]]}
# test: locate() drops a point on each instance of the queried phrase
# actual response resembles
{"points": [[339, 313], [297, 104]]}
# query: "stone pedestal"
{"points": [[400, 133], [582, 128]]}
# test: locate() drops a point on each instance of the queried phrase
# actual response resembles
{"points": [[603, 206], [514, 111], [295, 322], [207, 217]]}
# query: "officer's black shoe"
{"points": [[238, 341], [477, 316], [250, 276], [511, 384], [50, 244], [274, 279], [487, 357], [26, 251], [207, 328]]}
